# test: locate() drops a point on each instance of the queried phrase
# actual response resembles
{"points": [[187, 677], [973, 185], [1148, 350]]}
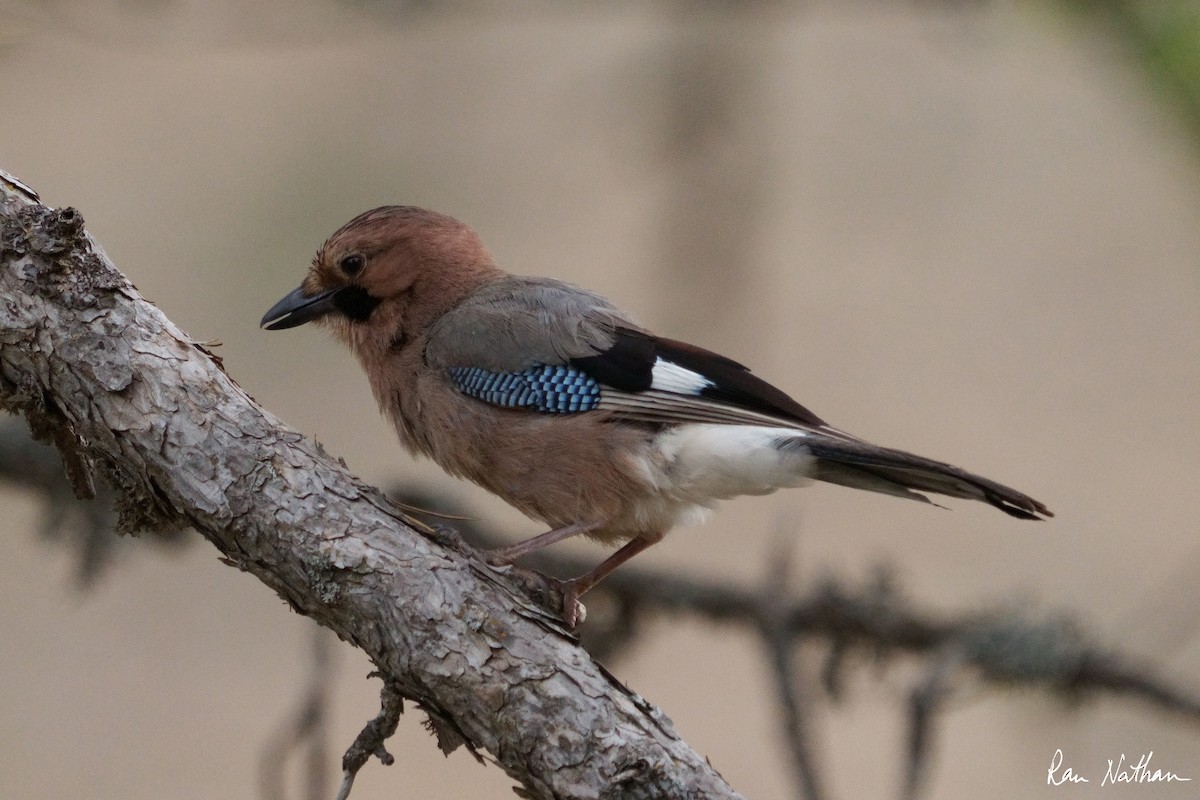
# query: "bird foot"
{"points": [[573, 612], [553, 594], [500, 557]]}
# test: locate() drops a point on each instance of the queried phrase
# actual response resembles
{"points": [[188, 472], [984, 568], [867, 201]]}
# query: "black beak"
{"points": [[298, 308]]}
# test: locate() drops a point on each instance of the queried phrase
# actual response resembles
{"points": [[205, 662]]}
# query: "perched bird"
{"points": [[556, 400]]}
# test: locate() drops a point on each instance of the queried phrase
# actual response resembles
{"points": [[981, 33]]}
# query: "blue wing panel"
{"points": [[551, 389]]}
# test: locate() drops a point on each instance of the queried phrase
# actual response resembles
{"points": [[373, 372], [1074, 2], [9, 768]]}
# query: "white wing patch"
{"points": [[670, 377]]}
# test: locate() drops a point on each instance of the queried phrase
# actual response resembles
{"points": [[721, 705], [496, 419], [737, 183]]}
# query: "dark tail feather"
{"points": [[881, 469]]}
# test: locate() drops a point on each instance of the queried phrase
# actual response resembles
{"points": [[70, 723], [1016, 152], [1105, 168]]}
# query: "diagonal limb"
{"points": [[507, 555], [577, 587]]}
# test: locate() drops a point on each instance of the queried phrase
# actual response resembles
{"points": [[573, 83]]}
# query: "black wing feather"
{"points": [[735, 384], [629, 365]]}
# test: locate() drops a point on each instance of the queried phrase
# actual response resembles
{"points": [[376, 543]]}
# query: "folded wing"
{"points": [[542, 346]]}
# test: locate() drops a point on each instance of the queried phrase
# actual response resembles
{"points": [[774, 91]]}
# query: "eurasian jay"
{"points": [[556, 400]]}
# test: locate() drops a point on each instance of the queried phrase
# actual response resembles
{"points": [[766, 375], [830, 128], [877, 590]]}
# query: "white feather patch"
{"points": [[670, 377], [706, 462], [691, 466]]}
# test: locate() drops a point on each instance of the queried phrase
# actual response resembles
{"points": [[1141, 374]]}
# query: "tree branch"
{"points": [[123, 392], [1001, 646]]}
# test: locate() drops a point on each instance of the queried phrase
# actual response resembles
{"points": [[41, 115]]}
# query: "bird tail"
{"points": [[882, 469]]}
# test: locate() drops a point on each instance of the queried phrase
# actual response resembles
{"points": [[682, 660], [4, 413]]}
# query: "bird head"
{"points": [[391, 267]]}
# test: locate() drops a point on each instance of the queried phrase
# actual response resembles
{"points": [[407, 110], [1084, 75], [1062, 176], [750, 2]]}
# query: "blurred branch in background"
{"points": [[85, 528], [1001, 646], [831, 624], [305, 732]]}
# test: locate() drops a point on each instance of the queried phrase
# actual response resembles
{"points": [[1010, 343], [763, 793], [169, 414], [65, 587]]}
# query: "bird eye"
{"points": [[353, 264]]}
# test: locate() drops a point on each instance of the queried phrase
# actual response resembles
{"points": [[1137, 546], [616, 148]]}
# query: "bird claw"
{"points": [[573, 611], [497, 558]]}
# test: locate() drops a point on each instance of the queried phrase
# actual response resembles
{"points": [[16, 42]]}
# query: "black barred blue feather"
{"points": [[553, 389]]}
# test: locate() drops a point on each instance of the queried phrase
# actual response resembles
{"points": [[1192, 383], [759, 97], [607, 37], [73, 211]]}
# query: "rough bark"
{"points": [[123, 392]]}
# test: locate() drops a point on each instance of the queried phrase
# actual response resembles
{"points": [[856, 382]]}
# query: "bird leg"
{"points": [[576, 587], [507, 555]]}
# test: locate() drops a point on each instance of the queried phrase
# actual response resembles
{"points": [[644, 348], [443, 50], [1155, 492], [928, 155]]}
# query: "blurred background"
{"points": [[966, 229]]}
